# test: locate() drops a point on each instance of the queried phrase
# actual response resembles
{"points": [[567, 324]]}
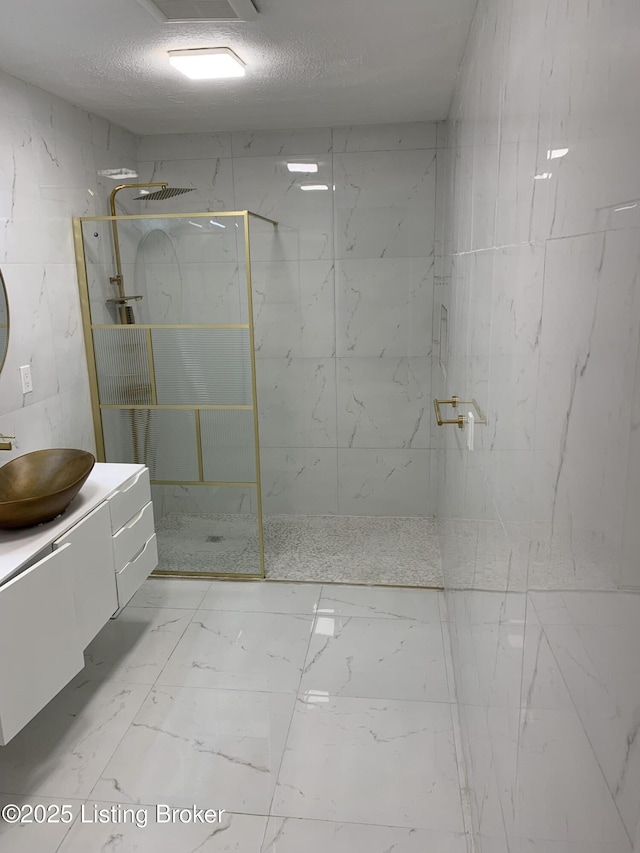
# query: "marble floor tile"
{"points": [[134, 647], [301, 598], [422, 605], [234, 834], [63, 750], [166, 592], [213, 748], [41, 837], [376, 659], [379, 762], [290, 835], [240, 651]]}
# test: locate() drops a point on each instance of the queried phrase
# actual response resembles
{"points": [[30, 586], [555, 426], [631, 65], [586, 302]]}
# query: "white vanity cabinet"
{"points": [[93, 574], [61, 582], [40, 648]]}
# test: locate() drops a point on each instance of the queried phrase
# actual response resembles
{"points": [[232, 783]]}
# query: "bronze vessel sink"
{"points": [[38, 486]]}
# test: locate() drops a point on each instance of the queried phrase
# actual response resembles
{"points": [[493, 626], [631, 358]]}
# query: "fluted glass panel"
{"points": [[228, 445], [162, 439], [202, 366], [122, 364]]}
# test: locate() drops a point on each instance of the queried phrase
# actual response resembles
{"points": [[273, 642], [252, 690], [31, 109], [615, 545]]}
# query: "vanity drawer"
{"points": [[138, 570], [129, 498], [40, 646], [130, 539]]}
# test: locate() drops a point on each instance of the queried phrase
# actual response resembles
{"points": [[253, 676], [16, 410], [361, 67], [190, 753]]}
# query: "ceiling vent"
{"points": [[200, 11]]}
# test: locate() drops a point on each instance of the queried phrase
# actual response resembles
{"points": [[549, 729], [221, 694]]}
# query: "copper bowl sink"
{"points": [[38, 486]]}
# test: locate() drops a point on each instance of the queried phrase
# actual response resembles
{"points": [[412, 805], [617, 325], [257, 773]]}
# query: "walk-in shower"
{"points": [[173, 380]]}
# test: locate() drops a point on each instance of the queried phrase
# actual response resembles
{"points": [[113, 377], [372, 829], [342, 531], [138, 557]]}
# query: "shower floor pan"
{"points": [[324, 549]]}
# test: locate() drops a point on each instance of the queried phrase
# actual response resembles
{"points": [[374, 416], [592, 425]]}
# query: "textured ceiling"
{"points": [[309, 62]]}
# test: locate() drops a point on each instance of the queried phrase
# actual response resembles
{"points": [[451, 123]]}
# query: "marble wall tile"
{"points": [[294, 312], [540, 140], [300, 481], [30, 324], [516, 321], [278, 143], [210, 179], [384, 482], [297, 402], [48, 158], [386, 137], [384, 307], [265, 186], [384, 402], [630, 546], [296, 309], [203, 500], [384, 204], [189, 292], [184, 146]]}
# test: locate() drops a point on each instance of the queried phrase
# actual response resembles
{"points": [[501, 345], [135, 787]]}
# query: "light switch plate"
{"points": [[25, 378]]}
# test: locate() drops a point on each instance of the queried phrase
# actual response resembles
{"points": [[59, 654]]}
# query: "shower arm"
{"points": [[118, 279]]}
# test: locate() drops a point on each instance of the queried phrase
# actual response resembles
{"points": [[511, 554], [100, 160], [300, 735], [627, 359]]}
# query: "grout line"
{"points": [[465, 800], [293, 711]]}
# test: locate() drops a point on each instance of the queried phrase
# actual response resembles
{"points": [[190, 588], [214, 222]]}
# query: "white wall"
{"points": [[538, 524], [343, 301], [50, 155]]}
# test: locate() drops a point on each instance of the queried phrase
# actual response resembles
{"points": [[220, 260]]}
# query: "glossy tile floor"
{"points": [[320, 718]]}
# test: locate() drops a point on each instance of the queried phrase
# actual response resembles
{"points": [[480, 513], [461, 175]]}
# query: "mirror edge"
{"points": [[4, 295]]}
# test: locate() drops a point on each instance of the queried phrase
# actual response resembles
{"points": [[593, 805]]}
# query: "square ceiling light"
{"points": [[207, 63]]}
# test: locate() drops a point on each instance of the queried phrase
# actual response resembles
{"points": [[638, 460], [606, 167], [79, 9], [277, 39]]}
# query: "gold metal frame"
{"points": [[97, 407]]}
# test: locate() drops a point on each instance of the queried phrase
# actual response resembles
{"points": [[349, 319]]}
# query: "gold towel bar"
{"points": [[454, 402]]}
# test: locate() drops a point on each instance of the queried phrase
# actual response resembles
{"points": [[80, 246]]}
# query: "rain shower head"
{"points": [[167, 192]]}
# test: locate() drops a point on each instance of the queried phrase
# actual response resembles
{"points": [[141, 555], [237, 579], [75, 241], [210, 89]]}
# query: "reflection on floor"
{"points": [[319, 718], [323, 548]]}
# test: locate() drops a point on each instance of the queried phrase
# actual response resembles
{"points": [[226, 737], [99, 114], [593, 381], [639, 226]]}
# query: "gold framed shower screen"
{"points": [[101, 406]]}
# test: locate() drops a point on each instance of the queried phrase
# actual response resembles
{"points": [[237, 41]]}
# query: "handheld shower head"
{"points": [[167, 192]]}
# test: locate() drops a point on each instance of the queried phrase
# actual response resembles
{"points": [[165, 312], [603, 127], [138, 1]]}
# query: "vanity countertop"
{"points": [[19, 547]]}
